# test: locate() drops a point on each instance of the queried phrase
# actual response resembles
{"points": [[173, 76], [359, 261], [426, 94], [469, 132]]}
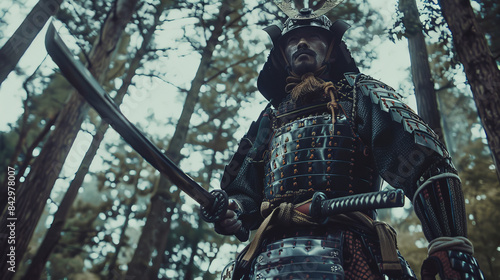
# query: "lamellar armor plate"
{"points": [[312, 154]]}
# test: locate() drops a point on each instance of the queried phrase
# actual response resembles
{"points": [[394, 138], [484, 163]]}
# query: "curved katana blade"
{"points": [[89, 88]]}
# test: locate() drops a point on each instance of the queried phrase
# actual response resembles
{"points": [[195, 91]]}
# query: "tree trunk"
{"points": [[152, 235], [158, 260], [34, 192], [16, 46], [420, 70], [190, 267], [480, 67], [113, 270], [21, 142]]}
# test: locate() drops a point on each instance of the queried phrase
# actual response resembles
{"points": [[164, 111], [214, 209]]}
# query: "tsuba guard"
{"points": [[218, 208]]}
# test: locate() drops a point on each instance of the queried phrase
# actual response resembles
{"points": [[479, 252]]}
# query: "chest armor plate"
{"points": [[311, 154]]}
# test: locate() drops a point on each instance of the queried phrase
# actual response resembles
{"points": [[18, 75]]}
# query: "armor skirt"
{"points": [[340, 255]]}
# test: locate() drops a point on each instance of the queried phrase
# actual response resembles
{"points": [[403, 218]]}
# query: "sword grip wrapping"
{"points": [[217, 211], [321, 208]]}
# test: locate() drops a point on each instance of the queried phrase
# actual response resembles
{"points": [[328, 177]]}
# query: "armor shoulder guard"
{"points": [[403, 146], [390, 102]]}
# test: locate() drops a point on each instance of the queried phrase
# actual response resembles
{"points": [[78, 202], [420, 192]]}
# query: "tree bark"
{"points": [[153, 233], [112, 269], [53, 235], [425, 94], [16, 46], [480, 67], [34, 192]]}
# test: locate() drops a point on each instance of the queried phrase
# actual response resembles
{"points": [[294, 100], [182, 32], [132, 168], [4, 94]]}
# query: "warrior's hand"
{"points": [[451, 265], [230, 224]]}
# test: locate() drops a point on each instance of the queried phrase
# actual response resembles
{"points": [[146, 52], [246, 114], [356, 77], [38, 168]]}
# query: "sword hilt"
{"points": [[218, 210], [321, 208]]}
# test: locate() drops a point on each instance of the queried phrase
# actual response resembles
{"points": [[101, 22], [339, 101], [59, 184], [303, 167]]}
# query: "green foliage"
{"points": [[45, 96], [98, 222], [367, 26], [482, 194]]}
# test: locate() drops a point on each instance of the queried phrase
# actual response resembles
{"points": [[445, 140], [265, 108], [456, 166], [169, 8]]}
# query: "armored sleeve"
{"points": [[243, 176], [409, 156]]}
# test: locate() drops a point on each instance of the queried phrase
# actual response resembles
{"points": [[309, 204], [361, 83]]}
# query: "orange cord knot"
{"points": [[332, 105]]}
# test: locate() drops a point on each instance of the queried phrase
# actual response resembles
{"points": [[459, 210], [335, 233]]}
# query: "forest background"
{"points": [[185, 72]]}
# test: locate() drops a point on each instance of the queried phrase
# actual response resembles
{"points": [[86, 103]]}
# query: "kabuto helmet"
{"points": [[271, 81]]}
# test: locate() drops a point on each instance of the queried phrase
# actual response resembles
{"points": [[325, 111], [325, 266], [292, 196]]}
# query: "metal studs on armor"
{"points": [[336, 268], [334, 254]]}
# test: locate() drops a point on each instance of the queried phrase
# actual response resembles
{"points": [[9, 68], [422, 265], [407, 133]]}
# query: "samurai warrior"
{"points": [[328, 128]]}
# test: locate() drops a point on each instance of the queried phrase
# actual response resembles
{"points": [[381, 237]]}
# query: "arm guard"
{"points": [[409, 156], [243, 176], [439, 203]]}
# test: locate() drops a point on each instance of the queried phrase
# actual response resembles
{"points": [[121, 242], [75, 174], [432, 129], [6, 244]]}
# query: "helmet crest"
{"points": [[305, 13]]}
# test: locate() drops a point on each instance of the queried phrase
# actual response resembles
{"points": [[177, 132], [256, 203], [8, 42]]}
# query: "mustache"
{"points": [[303, 51]]}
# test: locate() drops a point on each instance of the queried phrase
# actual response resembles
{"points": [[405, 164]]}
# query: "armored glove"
{"points": [[450, 265], [230, 224]]}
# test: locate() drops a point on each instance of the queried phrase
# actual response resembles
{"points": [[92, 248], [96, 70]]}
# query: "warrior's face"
{"points": [[305, 49]]}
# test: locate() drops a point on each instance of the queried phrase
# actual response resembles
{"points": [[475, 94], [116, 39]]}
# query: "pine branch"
{"points": [[230, 66], [163, 80]]}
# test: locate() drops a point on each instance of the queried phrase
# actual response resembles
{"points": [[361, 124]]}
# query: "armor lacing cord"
{"points": [[288, 215], [430, 181], [310, 83]]}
